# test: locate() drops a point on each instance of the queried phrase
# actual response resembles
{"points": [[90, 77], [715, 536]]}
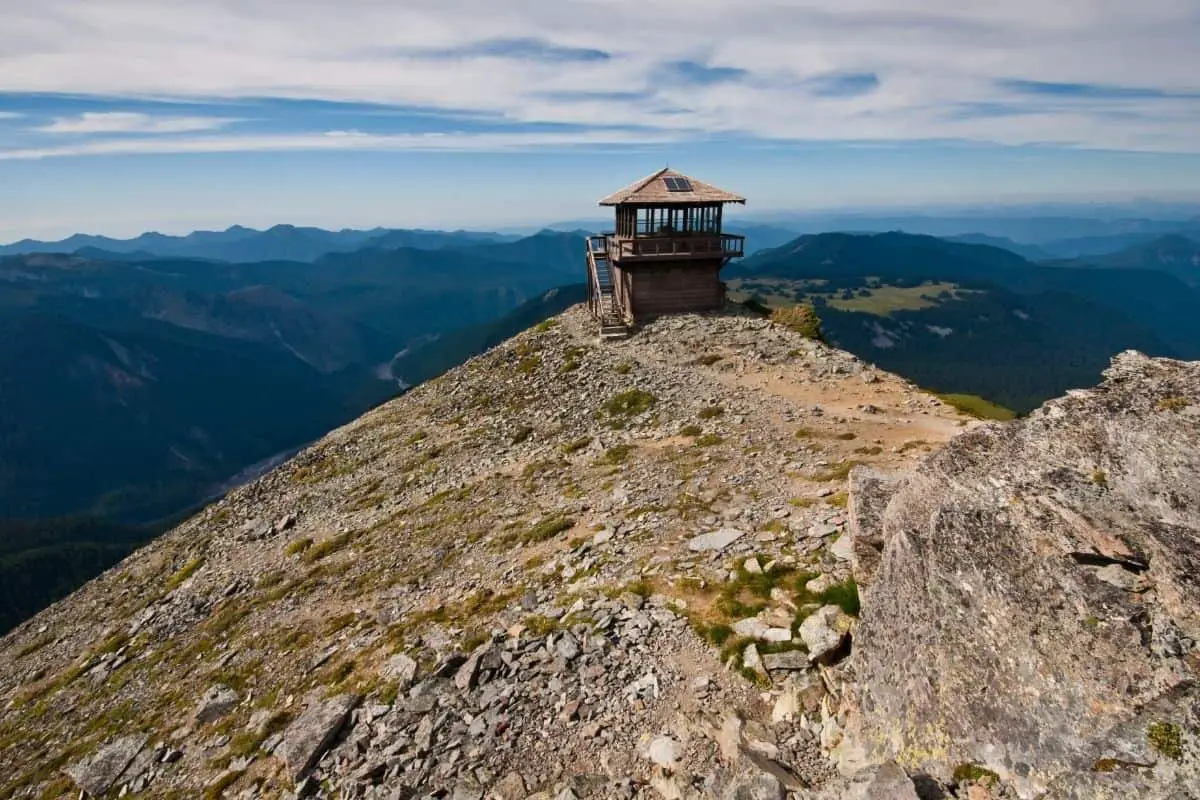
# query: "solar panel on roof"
{"points": [[677, 184]]}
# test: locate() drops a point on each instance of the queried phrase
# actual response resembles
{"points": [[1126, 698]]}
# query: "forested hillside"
{"points": [[971, 318]]}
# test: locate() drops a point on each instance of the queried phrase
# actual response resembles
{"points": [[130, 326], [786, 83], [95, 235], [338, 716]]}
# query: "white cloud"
{"points": [[129, 122], [335, 140], [936, 60], [10, 115]]}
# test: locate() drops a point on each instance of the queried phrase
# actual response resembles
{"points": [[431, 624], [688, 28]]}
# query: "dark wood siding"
{"points": [[675, 287]]}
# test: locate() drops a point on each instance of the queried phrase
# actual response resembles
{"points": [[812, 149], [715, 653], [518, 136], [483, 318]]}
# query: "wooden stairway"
{"points": [[612, 321]]}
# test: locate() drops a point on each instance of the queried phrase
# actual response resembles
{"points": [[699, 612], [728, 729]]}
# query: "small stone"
{"points": [[468, 673], [887, 781], [777, 635], [751, 660], [632, 601], [751, 627], [717, 540], [1118, 576], [665, 752], [567, 647], [787, 661], [400, 668], [823, 632], [843, 548], [217, 702], [786, 708], [752, 566], [511, 787], [818, 584]]}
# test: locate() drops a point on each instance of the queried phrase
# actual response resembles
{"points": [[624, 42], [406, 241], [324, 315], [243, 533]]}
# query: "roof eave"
{"points": [[610, 202]]}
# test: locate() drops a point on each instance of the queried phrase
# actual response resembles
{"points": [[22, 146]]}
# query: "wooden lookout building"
{"points": [[665, 254]]}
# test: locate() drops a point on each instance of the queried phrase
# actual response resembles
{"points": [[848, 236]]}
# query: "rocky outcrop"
{"points": [[1035, 611]]}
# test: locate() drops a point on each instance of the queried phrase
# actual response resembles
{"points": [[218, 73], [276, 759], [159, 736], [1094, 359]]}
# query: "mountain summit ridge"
{"points": [[575, 569], [521, 490]]}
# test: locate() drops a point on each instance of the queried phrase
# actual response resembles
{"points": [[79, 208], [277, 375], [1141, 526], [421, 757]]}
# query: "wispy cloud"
{"points": [[132, 122], [1091, 91], [845, 84], [519, 48], [340, 140], [694, 72], [10, 115], [792, 70]]}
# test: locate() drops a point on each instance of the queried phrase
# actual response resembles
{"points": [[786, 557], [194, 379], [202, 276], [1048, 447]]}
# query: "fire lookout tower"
{"points": [[665, 255]]}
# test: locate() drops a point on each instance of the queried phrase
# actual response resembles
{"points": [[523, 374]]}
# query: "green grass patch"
{"points": [[708, 359], [547, 529], [974, 773], [801, 319], [326, 547], [836, 472], [709, 440], [843, 595], [34, 646], [1167, 739], [521, 434], [1173, 404], [617, 454], [629, 403], [691, 430], [883, 300], [183, 573], [297, 547], [975, 406], [576, 445], [539, 625]]}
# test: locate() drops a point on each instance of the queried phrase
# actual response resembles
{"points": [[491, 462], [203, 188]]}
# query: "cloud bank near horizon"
{"points": [[118, 77]]}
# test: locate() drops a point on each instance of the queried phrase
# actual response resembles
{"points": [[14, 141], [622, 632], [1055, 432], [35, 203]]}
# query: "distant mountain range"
{"points": [[961, 317], [1055, 236], [1174, 254], [239, 244], [131, 386], [139, 376]]}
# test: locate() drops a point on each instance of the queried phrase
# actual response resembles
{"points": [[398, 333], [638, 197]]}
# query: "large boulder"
{"points": [[99, 772], [311, 734], [1036, 605]]}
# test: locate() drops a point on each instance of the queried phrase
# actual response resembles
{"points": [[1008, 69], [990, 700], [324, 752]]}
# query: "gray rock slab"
{"points": [[717, 540], [311, 734], [99, 772], [787, 661]]}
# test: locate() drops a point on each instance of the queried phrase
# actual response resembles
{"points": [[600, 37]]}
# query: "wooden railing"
{"points": [[699, 246]]}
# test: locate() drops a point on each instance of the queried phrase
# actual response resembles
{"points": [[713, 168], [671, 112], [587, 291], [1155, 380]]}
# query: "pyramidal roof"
{"points": [[669, 186]]}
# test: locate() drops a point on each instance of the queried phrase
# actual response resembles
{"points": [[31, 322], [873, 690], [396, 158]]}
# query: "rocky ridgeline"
{"points": [[573, 569]]}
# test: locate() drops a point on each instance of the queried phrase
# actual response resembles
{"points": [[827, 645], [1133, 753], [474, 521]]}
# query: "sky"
{"points": [[120, 116]]}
